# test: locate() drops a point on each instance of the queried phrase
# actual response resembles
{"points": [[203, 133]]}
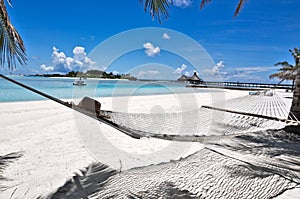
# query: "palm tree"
{"points": [[291, 72], [11, 44], [237, 9], [159, 8], [295, 108], [287, 72]]}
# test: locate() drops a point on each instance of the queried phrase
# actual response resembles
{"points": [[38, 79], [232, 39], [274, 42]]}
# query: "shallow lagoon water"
{"points": [[63, 88]]}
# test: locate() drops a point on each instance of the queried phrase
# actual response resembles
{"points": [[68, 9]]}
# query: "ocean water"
{"points": [[63, 88]]}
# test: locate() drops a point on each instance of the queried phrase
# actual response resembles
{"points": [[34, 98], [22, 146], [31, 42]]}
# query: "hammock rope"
{"points": [[240, 115]]}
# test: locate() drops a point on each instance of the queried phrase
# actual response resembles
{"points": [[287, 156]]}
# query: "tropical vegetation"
{"points": [[11, 44], [291, 72], [99, 74], [287, 71], [295, 108], [159, 8]]}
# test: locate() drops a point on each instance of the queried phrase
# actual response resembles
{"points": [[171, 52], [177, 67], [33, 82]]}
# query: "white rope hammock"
{"points": [[240, 115]]}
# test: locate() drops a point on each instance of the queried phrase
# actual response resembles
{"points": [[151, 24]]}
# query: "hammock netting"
{"points": [[205, 122]]}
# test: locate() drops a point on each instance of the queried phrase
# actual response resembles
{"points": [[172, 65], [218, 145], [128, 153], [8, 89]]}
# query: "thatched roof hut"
{"points": [[193, 79], [183, 78]]}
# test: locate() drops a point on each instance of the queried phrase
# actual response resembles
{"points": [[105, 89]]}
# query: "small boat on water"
{"points": [[79, 82]]}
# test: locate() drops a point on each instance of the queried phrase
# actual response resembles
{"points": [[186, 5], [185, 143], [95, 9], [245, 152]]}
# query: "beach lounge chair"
{"points": [[254, 93]]}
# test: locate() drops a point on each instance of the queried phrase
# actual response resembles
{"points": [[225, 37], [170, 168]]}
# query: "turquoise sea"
{"points": [[63, 88]]}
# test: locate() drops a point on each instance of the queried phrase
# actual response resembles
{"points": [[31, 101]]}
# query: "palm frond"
{"points": [[239, 7], [284, 64], [157, 8], [5, 161], [284, 75], [11, 44], [237, 10], [204, 3], [296, 55], [286, 72]]}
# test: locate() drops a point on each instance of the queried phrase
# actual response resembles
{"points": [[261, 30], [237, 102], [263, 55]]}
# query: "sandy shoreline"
{"points": [[47, 134]]}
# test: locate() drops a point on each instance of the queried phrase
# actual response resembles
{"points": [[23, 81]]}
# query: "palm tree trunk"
{"points": [[295, 108]]}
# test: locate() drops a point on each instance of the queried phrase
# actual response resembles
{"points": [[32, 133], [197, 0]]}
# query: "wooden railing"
{"points": [[241, 85]]}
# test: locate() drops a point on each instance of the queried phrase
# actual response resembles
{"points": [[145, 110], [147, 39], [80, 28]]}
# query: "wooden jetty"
{"points": [[240, 85]]}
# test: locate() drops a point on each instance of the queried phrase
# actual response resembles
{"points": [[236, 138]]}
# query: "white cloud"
{"points": [[116, 72], [255, 69], [243, 74], [179, 71], [217, 70], [182, 70], [150, 74], [181, 3], [62, 63], [150, 50], [188, 73], [166, 36], [46, 68], [250, 74], [92, 37], [35, 57]]}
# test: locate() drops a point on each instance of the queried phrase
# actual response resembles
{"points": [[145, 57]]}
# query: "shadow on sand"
{"points": [[5, 161], [256, 165]]}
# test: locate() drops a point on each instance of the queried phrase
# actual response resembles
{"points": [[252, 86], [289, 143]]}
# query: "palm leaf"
{"points": [[237, 10], [284, 64], [5, 161], [239, 7], [284, 75], [296, 55], [157, 8], [11, 44], [204, 3], [286, 72]]}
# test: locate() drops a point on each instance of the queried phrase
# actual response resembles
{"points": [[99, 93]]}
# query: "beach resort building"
{"points": [[194, 79]]}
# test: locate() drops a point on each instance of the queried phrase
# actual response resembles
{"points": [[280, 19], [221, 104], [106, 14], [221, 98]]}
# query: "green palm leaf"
{"points": [[157, 8], [11, 44], [287, 71], [237, 9]]}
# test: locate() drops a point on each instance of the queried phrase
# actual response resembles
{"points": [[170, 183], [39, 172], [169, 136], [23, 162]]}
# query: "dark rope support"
{"points": [[253, 115]]}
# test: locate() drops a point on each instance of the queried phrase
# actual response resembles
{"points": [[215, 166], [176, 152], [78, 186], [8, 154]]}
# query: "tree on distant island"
{"points": [[100, 74]]}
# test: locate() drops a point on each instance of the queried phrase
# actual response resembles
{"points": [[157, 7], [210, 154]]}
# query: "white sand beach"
{"points": [[48, 135]]}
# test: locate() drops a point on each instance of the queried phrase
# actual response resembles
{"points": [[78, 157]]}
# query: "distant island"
{"points": [[90, 74]]}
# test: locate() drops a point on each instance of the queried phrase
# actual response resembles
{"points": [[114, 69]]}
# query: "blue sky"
{"points": [[61, 35]]}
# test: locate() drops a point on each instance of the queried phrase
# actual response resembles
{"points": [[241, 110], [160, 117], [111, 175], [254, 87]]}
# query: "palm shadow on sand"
{"points": [[275, 151], [5, 161], [273, 168]]}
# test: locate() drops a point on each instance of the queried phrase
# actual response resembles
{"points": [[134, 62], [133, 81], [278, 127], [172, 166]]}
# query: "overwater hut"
{"points": [[183, 78], [191, 80]]}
